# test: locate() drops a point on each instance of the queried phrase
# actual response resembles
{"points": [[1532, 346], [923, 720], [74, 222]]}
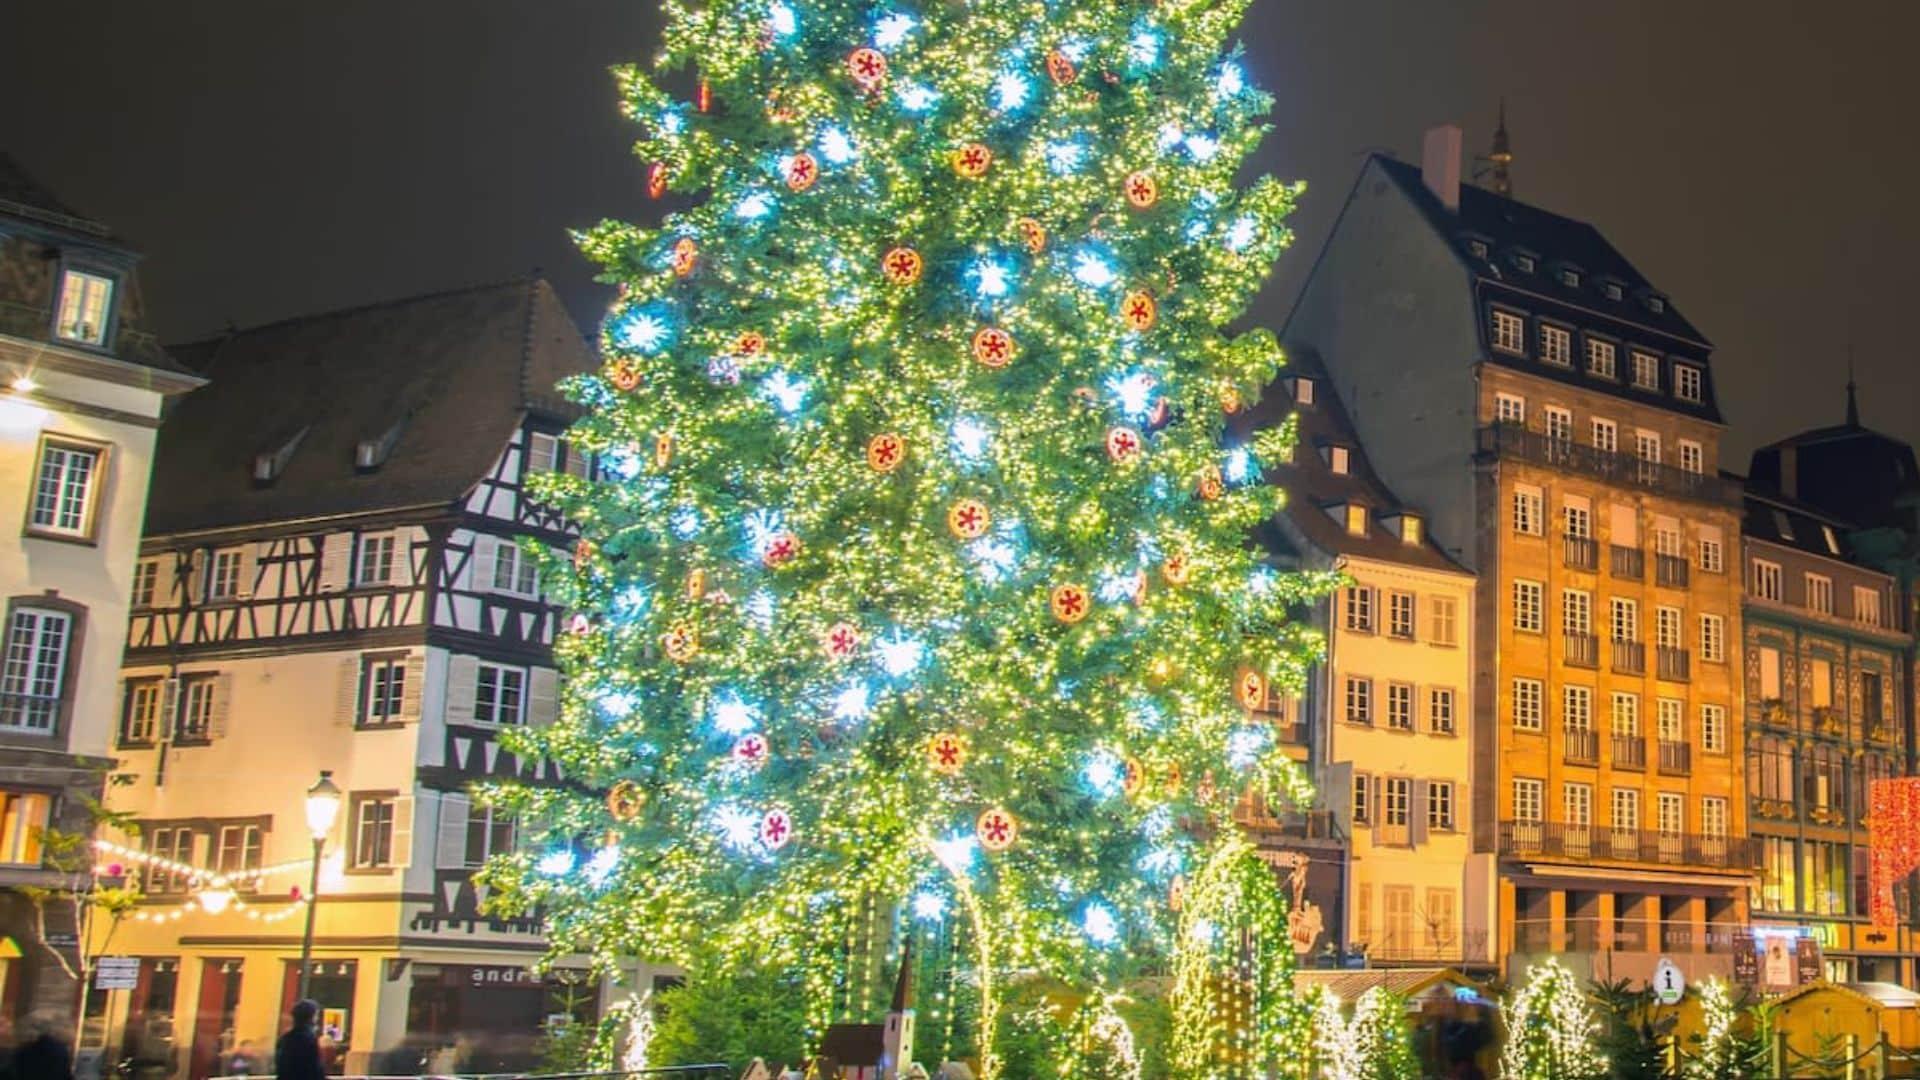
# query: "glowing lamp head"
{"points": [[24, 384], [323, 805], [215, 898]]}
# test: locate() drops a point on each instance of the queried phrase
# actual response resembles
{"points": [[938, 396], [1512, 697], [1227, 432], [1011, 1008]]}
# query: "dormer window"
{"points": [[1356, 519], [1686, 382], [1523, 262], [1556, 345], [1570, 278], [1509, 333], [1613, 291], [1478, 248], [1656, 304], [1302, 390], [1833, 541], [86, 303], [1781, 525], [1340, 460], [1646, 371], [1407, 525]]}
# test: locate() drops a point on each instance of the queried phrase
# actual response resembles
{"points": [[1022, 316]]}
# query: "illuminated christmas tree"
{"points": [[1551, 1029], [915, 588]]}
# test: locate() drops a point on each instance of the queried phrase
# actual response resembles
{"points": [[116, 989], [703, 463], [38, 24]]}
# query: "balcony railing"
{"points": [[1828, 720], [1513, 441], [1627, 563], [1774, 809], [1583, 650], [1553, 839], [1676, 758], [1629, 752], [1581, 552], [1670, 570], [1675, 664], [1583, 746], [1630, 657]]}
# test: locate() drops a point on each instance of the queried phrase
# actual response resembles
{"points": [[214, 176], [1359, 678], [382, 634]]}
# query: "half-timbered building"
{"points": [[333, 580]]}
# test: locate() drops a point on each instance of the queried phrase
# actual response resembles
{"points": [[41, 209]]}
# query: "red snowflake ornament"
{"points": [[886, 452], [781, 549], [1139, 311], [1132, 776], [1141, 190], [686, 256], [802, 171], [996, 829], [1252, 689], [623, 375], [1070, 603], [681, 644], [1123, 444], [749, 343], [972, 160], [947, 753], [1176, 569], [968, 519], [1034, 233], [751, 749], [776, 828], [902, 266], [868, 68], [841, 641], [1211, 485], [993, 347]]}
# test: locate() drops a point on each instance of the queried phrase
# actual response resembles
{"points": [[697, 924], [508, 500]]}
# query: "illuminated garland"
{"points": [[186, 870], [1100, 1045], [1232, 944], [1551, 1029], [1717, 1050]]}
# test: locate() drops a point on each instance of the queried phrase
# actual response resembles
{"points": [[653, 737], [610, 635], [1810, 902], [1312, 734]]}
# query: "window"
{"points": [[85, 306], [1508, 333], [1646, 371], [1510, 409], [1820, 593], [1303, 391], [1769, 673], [1529, 510], [1782, 525], [238, 849], [1526, 606], [1866, 606], [1626, 810], [1672, 813], [1358, 600], [1445, 619], [1576, 516], [1400, 706], [1713, 729], [1713, 556], [33, 682], [1625, 718], [1478, 248], [1570, 278], [1656, 304], [1692, 457], [1686, 382], [1400, 614], [1713, 817], [1396, 918], [383, 689], [1625, 621], [1527, 694], [1559, 423], [1440, 805], [65, 488], [1398, 803], [373, 832], [24, 819], [1820, 682], [140, 714], [1601, 359], [1440, 710], [194, 721], [146, 582], [1524, 263], [1556, 345], [223, 574], [1528, 797], [1577, 802], [499, 695], [1576, 708], [489, 833], [1713, 638], [376, 559], [513, 571], [1576, 612], [1766, 580], [1362, 789], [1672, 724], [1359, 700], [1833, 541], [1340, 460], [1356, 519], [1613, 291], [1410, 528], [1666, 627], [174, 844], [1606, 436], [1646, 446]]}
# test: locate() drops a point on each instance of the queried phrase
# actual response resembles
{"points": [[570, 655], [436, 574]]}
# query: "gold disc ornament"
{"points": [[972, 160], [1139, 311], [997, 829], [1141, 190], [947, 753], [681, 644], [993, 347], [686, 256], [902, 266], [968, 519], [868, 68], [625, 800], [623, 375], [1070, 603], [802, 171], [885, 452]]}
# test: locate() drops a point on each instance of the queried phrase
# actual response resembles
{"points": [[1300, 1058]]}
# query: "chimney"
{"points": [[1440, 164]]}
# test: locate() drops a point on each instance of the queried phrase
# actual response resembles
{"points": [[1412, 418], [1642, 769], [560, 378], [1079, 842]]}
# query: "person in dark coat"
{"points": [[43, 1056], [297, 1055]]}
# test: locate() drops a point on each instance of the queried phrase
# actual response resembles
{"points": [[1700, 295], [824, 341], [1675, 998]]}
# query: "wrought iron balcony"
{"points": [[1553, 839], [1514, 441], [1580, 552], [1629, 752], [1583, 650], [1583, 746], [1626, 563], [1675, 665], [1630, 657], [1676, 758], [1670, 570]]}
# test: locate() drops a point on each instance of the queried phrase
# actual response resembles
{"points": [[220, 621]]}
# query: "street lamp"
{"points": [[323, 805]]}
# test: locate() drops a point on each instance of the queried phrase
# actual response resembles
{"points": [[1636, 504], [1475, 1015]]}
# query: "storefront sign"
{"points": [[1669, 986], [1809, 964], [500, 975], [1746, 960], [116, 972]]}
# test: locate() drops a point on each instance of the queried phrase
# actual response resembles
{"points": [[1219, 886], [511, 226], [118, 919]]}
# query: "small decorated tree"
{"points": [[1730, 1045], [1551, 1029]]}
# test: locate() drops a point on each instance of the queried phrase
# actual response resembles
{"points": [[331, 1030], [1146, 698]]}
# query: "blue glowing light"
{"points": [[1239, 465], [622, 462], [780, 20], [556, 863], [732, 716], [1196, 230], [618, 704], [647, 329], [1090, 268], [1118, 587], [1103, 773], [632, 601], [969, 440], [738, 829], [753, 206], [1262, 580], [1158, 822], [685, 522], [600, 867], [1203, 147], [989, 277], [836, 146], [672, 123], [1161, 861], [929, 907], [760, 608], [1144, 49], [916, 98], [1100, 923], [1064, 156], [899, 654], [1134, 389], [993, 558], [1010, 90], [891, 29], [1244, 746], [787, 392], [1231, 80], [1170, 136], [852, 702], [1240, 234], [1075, 49], [761, 527], [956, 853]]}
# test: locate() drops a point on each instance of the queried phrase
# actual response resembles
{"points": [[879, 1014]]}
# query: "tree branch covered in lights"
{"points": [[1551, 1029], [917, 563]]}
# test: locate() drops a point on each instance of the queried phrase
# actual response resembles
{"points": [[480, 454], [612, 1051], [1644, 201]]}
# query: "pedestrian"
{"points": [[297, 1055], [244, 1061], [43, 1055]]}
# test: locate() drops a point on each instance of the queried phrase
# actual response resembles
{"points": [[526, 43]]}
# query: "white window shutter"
{"points": [[485, 553], [222, 705], [249, 569], [463, 674], [1417, 813], [336, 558], [403, 832], [346, 710], [197, 575], [166, 585], [543, 695], [541, 452], [410, 688], [452, 848], [403, 539]]}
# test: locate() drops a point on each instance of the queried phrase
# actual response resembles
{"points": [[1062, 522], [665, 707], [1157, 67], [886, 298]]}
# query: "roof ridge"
{"points": [[357, 309]]}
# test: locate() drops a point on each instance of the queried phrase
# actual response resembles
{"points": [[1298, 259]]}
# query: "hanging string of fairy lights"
{"points": [[186, 870], [214, 892]]}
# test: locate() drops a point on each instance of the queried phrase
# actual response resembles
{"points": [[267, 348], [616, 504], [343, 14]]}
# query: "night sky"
{"points": [[273, 159]]}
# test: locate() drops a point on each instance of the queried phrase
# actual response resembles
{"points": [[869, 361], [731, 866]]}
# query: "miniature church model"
{"points": [[874, 1051]]}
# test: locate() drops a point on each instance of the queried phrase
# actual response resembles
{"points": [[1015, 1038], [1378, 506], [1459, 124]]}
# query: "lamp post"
{"points": [[323, 805]]}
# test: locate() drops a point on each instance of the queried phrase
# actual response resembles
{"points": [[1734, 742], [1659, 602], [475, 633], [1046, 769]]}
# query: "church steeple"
{"points": [[1502, 156], [1853, 400]]}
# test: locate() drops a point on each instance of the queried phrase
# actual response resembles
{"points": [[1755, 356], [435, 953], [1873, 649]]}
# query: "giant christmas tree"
{"points": [[915, 581]]}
